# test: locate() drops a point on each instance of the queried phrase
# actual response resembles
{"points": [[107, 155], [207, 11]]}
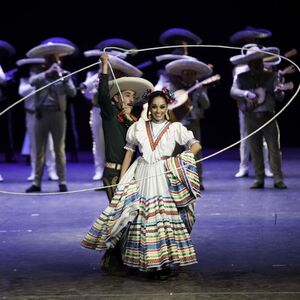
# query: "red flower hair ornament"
{"points": [[167, 94]]}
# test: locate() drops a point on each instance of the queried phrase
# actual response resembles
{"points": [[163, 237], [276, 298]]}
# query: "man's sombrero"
{"points": [[30, 61], [51, 48], [61, 40], [97, 53], [170, 57], [125, 67], [115, 42], [138, 85], [173, 35], [249, 33], [119, 64], [6, 49], [255, 53], [178, 66]]}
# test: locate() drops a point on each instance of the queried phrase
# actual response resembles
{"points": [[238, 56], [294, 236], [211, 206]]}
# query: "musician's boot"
{"points": [[257, 185], [241, 173]]}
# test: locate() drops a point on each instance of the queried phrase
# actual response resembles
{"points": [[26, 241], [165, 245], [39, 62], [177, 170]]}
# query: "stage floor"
{"points": [[247, 241]]}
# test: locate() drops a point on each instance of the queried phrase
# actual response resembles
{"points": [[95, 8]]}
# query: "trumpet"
{"points": [[89, 84]]}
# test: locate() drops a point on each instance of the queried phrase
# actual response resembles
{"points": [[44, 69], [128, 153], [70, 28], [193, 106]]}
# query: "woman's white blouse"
{"points": [[137, 137]]}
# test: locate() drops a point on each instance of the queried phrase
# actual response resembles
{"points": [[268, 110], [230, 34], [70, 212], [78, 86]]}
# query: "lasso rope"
{"points": [[131, 51]]}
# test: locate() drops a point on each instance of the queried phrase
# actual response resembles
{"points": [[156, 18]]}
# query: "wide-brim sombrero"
{"points": [[30, 61], [178, 66], [249, 33], [136, 84], [51, 48], [255, 53], [120, 64], [170, 57], [174, 35], [61, 40], [115, 42], [97, 53]]}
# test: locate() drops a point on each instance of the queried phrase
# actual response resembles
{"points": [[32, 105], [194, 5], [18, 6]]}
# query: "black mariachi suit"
{"points": [[114, 134]]}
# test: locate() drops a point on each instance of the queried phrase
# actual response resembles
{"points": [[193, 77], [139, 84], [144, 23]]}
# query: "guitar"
{"points": [[261, 93], [249, 105], [181, 106]]}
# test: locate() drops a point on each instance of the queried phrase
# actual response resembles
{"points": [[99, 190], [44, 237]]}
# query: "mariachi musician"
{"points": [[187, 72], [258, 88], [50, 108]]}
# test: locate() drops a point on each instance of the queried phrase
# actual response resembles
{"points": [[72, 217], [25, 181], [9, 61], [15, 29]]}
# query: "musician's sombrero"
{"points": [[174, 35], [30, 61], [269, 60], [97, 53], [61, 40], [178, 66], [114, 42], [119, 64], [51, 48], [6, 49], [249, 33], [138, 85], [170, 57], [254, 53]]}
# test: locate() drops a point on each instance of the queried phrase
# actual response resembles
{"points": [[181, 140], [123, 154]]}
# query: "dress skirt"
{"points": [[144, 218]]}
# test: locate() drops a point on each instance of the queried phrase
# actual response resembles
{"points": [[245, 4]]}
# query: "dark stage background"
{"points": [[25, 24]]}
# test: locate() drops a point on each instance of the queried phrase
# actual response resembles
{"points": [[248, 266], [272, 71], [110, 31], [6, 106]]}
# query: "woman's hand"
{"points": [[195, 148]]}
